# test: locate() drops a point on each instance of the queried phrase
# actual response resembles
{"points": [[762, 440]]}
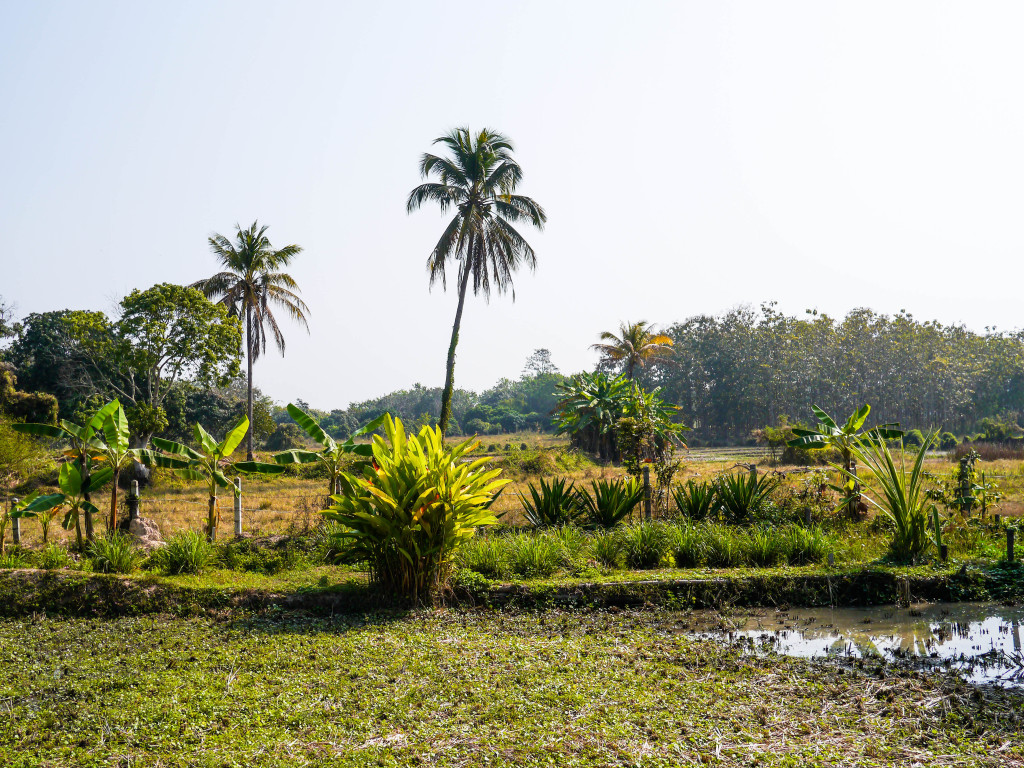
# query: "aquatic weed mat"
{"points": [[466, 689]]}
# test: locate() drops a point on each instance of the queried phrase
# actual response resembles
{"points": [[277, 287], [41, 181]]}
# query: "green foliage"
{"points": [[406, 516], [207, 463], [743, 496], [902, 498], [589, 407], [15, 558], [696, 499], [251, 557], [606, 547], [53, 557], [645, 544], [114, 553], [948, 441], [534, 556], [555, 504], [335, 456], [609, 501], [21, 456], [185, 553], [24, 406]]}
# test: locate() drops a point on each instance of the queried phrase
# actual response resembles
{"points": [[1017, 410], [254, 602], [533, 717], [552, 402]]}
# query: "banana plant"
{"points": [[42, 507], [332, 457], [84, 442], [845, 439], [207, 464], [114, 451]]}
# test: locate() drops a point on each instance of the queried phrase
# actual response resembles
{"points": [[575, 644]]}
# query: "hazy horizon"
{"points": [[692, 157]]}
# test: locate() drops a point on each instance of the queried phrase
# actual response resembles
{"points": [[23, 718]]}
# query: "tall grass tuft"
{"points": [[53, 557], [534, 556], [645, 544], [486, 556], [183, 553], [606, 548], [115, 553]]}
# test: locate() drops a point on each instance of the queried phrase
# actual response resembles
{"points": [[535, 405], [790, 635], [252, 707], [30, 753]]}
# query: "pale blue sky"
{"points": [[691, 156]]}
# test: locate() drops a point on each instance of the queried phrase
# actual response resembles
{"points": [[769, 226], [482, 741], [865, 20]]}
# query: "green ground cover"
{"points": [[453, 689]]}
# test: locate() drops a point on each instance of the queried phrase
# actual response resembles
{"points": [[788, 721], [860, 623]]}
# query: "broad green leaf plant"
{"points": [[208, 463], [412, 507], [844, 439], [903, 498], [334, 454], [42, 507], [85, 443]]}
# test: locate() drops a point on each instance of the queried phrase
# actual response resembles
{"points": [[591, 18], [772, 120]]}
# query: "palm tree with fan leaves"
{"points": [[477, 180], [251, 286], [635, 346]]}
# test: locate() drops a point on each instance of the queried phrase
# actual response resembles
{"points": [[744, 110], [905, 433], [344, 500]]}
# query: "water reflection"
{"points": [[981, 641]]}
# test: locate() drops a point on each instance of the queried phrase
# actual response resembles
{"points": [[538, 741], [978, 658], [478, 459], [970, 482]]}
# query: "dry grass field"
{"points": [[291, 504]]}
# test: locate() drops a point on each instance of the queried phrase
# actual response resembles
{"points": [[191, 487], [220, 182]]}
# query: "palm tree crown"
{"points": [[477, 179], [636, 344], [250, 286]]}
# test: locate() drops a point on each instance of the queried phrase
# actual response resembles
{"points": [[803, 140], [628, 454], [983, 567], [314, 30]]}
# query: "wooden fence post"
{"points": [[238, 506], [15, 525], [133, 501]]}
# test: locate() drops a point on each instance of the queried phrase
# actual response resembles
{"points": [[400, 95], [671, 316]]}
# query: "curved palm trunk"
{"points": [[248, 360], [449, 381]]}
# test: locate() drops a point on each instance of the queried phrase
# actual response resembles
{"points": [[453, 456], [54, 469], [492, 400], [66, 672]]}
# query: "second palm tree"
{"points": [[250, 285]]}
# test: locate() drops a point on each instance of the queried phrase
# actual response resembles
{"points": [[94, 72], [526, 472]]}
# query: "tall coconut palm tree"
{"points": [[251, 284], [635, 346], [478, 180]]}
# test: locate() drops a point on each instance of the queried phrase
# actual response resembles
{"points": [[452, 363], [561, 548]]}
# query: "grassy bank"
{"points": [[456, 690]]}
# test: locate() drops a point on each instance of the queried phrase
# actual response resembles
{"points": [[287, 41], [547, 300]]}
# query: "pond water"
{"points": [[980, 641]]}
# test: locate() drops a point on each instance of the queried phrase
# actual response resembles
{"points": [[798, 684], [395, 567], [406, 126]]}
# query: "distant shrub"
{"points": [[913, 437], [187, 552], [948, 441], [287, 436]]}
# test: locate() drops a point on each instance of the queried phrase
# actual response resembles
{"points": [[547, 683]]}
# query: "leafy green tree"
{"points": [[20, 454], [68, 354], [251, 285], [169, 333], [28, 406], [207, 463], [635, 346], [478, 180], [589, 408]]}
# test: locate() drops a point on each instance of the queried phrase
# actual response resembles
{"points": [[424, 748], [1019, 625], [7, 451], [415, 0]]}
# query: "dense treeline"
{"points": [[746, 369], [730, 374]]}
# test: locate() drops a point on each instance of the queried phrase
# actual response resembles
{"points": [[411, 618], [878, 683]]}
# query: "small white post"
{"points": [[238, 506]]}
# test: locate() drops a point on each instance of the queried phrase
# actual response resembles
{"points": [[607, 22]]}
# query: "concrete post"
{"points": [[238, 506], [133, 501], [647, 492]]}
